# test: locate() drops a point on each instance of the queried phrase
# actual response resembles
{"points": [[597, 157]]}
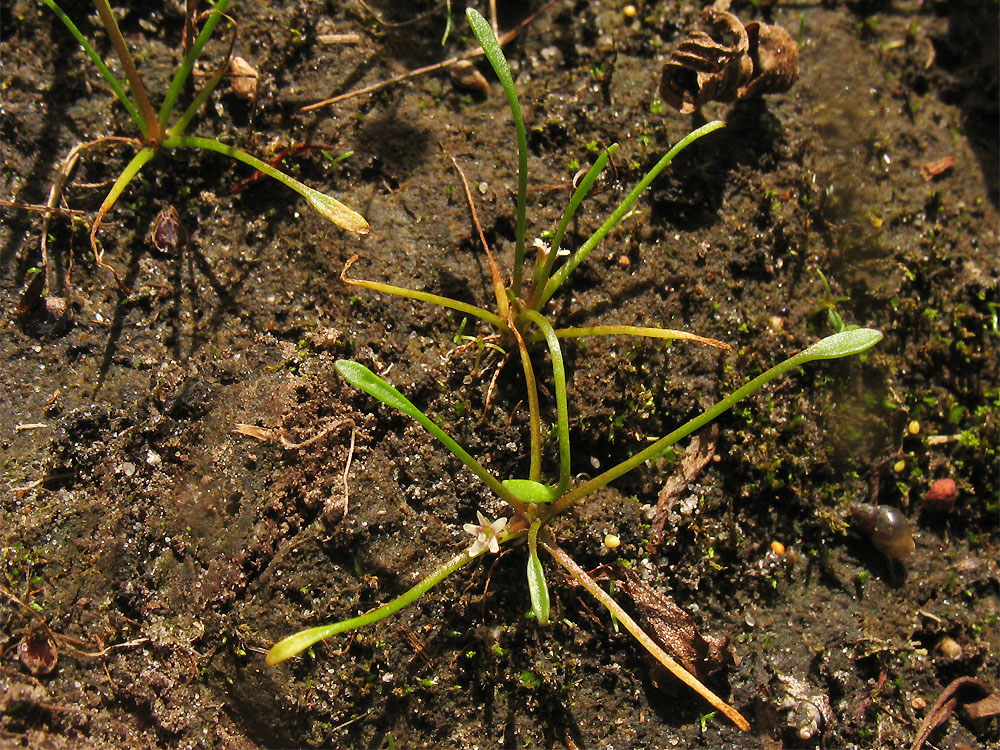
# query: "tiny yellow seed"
{"points": [[900, 466], [630, 11], [777, 547], [913, 427], [611, 541]]}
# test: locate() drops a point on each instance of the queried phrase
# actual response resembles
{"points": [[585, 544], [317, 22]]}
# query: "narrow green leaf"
{"points": [[299, 642], [365, 380], [537, 586], [494, 53], [115, 84], [841, 344], [328, 207]]}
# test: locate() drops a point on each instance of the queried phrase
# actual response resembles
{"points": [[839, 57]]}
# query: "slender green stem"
{"points": [[434, 299], [656, 333], [619, 213], [202, 96], [559, 380], [494, 53], [128, 174], [181, 76], [832, 347], [534, 413], [545, 263], [299, 642], [326, 205], [115, 84], [152, 131], [644, 640]]}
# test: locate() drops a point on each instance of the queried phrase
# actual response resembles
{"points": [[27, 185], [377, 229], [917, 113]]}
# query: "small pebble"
{"points": [[244, 78], [466, 75], [949, 648], [941, 496]]}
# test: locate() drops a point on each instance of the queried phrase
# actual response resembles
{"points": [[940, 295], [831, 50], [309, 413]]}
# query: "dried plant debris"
{"points": [[244, 79], [38, 653], [728, 61], [698, 455], [167, 234], [675, 630], [972, 698]]}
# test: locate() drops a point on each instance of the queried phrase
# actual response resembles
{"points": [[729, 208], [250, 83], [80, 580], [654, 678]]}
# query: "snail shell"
{"points": [[887, 527]]}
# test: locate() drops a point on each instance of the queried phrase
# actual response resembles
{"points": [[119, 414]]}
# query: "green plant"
{"points": [[157, 135], [533, 503]]}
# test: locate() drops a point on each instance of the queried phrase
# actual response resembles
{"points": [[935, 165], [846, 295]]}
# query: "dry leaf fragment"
{"points": [[710, 66], [38, 653], [244, 78], [675, 630], [977, 714], [775, 58], [932, 169], [965, 693], [696, 457]]}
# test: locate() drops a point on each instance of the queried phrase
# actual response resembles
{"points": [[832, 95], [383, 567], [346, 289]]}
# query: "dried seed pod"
{"points": [[887, 527], [168, 235], [709, 66], [775, 58], [731, 61], [37, 652]]}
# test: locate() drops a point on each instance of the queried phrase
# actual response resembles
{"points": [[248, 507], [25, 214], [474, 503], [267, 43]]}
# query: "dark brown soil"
{"points": [[162, 554]]}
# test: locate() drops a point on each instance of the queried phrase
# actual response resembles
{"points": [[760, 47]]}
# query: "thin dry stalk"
{"points": [[470, 55]]}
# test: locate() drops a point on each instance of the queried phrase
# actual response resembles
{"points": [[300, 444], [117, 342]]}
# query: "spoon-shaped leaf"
{"points": [[843, 344]]}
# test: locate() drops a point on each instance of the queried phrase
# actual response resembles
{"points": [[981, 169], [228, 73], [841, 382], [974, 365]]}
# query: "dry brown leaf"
{"points": [[960, 693], [674, 630], [696, 457]]}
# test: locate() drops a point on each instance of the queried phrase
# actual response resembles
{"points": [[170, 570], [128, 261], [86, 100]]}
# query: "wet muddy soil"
{"points": [[150, 555]]}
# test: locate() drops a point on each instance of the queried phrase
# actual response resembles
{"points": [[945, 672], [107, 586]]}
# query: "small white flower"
{"points": [[486, 534]]}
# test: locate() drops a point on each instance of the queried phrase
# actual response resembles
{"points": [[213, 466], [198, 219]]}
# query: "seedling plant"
{"points": [[157, 135], [536, 501]]}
